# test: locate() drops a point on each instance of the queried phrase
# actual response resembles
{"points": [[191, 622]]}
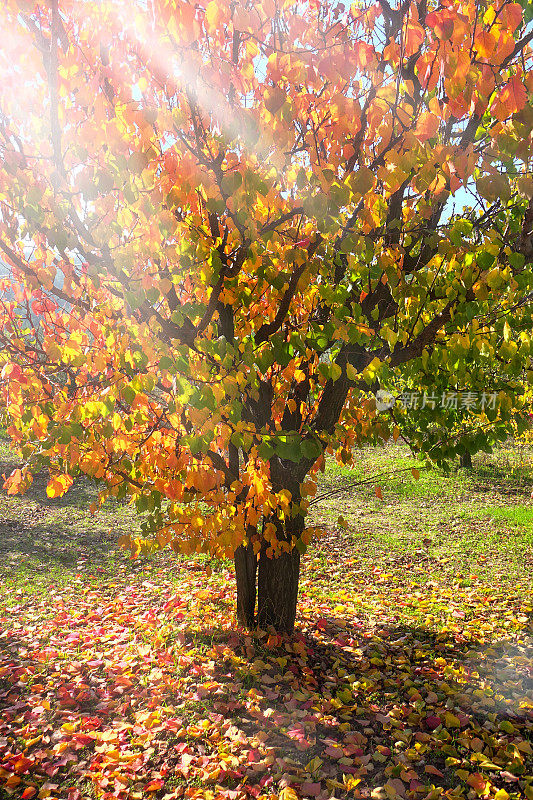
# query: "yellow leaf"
{"points": [[314, 764], [451, 721], [335, 371], [58, 485], [288, 793], [501, 794], [213, 14], [351, 372]]}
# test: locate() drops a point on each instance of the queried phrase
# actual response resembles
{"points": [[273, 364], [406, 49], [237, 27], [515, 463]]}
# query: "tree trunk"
{"points": [[278, 580], [466, 460], [245, 576], [278, 591]]}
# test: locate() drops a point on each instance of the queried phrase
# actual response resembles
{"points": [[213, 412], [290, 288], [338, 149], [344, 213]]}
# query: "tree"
{"points": [[226, 225]]}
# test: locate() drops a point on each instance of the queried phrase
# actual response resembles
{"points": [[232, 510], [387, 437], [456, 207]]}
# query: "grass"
{"points": [[438, 528]]}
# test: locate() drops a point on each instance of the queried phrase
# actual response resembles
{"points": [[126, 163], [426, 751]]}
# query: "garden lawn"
{"points": [[409, 675]]}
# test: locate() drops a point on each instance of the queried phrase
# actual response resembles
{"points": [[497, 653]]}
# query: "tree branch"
{"points": [[268, 328]]}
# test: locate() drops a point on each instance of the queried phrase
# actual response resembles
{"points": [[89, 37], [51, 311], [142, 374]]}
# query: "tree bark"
{"points": [[278, 591], [466, 460], [278, 581], [245, 576]]}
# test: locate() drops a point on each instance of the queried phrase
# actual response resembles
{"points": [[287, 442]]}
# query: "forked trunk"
{"points": [[274, 581]]}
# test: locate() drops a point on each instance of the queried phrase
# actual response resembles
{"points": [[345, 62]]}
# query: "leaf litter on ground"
{"points": [[409, 675]]}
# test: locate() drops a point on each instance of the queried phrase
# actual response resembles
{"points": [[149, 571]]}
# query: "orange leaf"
{"points": [[153, 786], [442, 23], [378, 492], [29, 792], [416, 473], [274, 98], [414, 37], [427, 126], [477, 782], [12, 484], [485, 44], [59, 485], [511, 99]]}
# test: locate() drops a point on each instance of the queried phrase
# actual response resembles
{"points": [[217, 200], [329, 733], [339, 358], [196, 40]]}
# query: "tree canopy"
{"points": [[224, 226]]}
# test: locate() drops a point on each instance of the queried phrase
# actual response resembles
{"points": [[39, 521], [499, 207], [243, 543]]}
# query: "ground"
{"points": [[409, 675]]}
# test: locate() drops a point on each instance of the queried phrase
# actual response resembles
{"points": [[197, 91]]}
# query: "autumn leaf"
{"points": [[13, 482], [274, 98], [213, 14], [442, 22], [154, 786], [511, 15], [288, 793], [427, 126], [58, 485], [485, 44], [510, 100]]}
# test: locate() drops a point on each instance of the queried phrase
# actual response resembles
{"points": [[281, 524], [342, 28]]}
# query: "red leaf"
{"points": [[512, 15], [429, 770]]}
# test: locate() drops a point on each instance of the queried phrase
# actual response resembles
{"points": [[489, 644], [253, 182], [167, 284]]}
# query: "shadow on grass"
{"points": [[80, 495], [502, 477], [53, 545]]}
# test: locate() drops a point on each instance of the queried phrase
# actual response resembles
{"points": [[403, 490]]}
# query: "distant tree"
{"points": [[227, 224]]}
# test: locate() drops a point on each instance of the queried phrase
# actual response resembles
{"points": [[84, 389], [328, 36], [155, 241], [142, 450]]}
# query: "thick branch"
{"points": [[426, 337]]}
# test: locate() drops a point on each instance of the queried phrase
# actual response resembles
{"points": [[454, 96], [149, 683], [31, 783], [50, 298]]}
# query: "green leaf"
{"points": [[165, 362], [300, 546], [311, 448], [335, 372], [230, 182]]}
